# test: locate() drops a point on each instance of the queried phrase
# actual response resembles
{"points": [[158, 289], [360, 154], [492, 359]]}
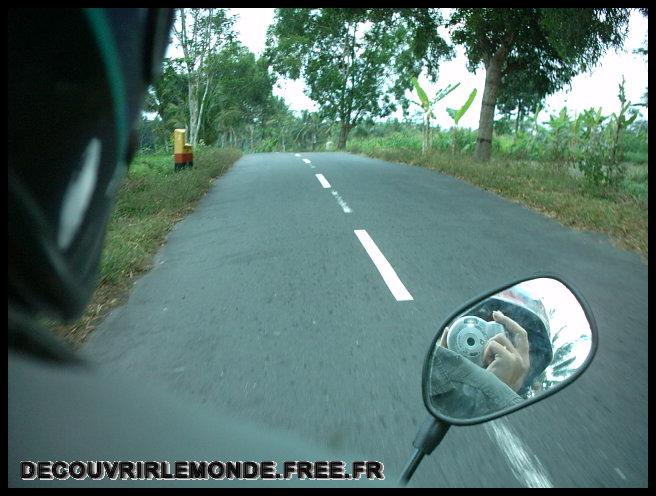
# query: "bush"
{"points": [[594, 154]]}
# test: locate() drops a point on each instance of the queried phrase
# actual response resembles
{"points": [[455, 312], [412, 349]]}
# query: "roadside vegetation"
{"points": [[152, 199], [531, 170]]}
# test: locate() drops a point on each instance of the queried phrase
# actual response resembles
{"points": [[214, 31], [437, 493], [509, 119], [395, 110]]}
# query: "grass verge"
{"points": [[621, 214], [151, 200]]}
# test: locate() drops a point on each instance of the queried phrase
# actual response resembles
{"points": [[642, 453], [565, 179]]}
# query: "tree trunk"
{"points": [[426, 136], [430, 136], [617, 138], [199, 115], [517, 121], [486, 122], [423, 139], [343, 135], [193, 110]]}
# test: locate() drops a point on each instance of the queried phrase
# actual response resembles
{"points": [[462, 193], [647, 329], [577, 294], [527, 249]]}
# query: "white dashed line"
{"points": [[297, 154], [324, 182], [341, 202], [386, 271], [307, 161], [526, 467]]}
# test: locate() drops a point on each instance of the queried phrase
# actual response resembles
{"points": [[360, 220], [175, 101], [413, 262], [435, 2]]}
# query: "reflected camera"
{"points": [[469, 334]]}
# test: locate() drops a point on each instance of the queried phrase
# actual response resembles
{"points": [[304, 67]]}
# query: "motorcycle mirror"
{"points": [[510, 348]]}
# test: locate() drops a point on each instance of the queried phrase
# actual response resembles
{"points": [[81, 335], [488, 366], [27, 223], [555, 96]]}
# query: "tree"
{"points": [[644, 51], [281, 123], [311, 129], [200, 32], [522, 91], [168, 98], [239, 109], [240, 98], [350, 58], [554, 44]]}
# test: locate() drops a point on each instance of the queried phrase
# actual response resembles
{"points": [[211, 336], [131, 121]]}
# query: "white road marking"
{"points": [[617, 469], [307, 161], [297, 154], [526, 467], [341, 202], [324, 182], [386, 271]]}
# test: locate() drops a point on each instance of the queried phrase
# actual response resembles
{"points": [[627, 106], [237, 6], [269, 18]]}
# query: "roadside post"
{"points": [[183, 153]]}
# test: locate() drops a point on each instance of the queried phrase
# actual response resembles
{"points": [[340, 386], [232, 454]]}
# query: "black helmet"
{"points": [[77, 80], [529, 313]]}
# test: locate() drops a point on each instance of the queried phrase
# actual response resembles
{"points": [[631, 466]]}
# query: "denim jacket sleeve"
{"points": [[461, 389]]}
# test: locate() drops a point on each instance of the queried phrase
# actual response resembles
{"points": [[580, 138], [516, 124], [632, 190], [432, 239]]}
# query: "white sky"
{"points": [[598, 88]]}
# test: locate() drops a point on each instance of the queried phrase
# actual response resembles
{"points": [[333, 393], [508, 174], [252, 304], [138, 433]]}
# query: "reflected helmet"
{"points": [[77, 80]]}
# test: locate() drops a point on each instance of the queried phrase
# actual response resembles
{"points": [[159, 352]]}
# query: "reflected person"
{"points": [[530, 323], [509, 364], [462, 389]]}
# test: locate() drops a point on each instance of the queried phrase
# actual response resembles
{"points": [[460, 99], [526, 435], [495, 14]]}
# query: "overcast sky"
{"points": [[597, 88]]}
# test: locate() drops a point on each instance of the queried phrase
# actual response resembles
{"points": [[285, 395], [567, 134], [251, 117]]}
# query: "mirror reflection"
{"points": [[507, 349]]}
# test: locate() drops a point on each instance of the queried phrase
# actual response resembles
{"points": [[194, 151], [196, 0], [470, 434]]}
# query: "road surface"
{"points": [[264, 302]]}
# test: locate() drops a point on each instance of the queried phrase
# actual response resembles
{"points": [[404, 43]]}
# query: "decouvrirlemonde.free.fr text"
{"points": [[199, 470]]}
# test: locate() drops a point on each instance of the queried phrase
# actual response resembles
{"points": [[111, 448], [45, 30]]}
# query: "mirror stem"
{"points": [[428, 437], [410, 467]]}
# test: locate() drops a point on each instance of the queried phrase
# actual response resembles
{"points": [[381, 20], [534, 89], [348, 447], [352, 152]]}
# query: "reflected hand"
{"points": [[508, 362]]}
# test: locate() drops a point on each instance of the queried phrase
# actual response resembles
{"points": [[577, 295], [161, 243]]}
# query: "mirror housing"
{"points": [[440, 356]]}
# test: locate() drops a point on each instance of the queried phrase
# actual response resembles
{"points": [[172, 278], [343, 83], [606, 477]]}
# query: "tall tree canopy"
{"points": [[240, 109], [525, 84], [546, 46], [241, 96], [168, 99], [354, 61]]}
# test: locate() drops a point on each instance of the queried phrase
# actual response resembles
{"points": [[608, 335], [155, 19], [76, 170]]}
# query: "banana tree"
{"points": [[594, 149], [561, 131], [621, 121], [533, 120], [427, 106], [456, 115]]}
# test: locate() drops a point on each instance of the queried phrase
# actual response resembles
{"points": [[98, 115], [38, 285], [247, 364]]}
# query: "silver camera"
{"points": [[469, 334]]}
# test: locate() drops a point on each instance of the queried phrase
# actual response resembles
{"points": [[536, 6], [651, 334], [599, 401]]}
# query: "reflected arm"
{"points": [[461, 389]]}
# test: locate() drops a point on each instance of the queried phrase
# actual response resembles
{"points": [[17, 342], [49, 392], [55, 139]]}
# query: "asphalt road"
{"points": [[263, 302]]}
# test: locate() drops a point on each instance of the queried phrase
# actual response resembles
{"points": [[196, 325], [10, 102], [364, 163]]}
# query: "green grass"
{"points": [[151, 200], [636, 181], [638, 157], [554, 191]]}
